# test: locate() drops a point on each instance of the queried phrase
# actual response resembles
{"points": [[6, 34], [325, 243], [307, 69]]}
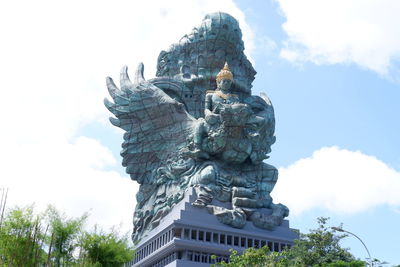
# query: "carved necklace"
{"points": [[224, 96]]}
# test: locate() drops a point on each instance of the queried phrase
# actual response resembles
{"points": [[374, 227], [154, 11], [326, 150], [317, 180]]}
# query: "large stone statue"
{"points": [[197, 125]]}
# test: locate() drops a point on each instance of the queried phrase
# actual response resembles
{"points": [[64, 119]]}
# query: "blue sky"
{"points": [[348, 108], [331, 69]]}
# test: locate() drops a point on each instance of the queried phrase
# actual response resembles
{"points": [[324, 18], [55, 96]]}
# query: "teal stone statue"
{"points": [[197, 125]]}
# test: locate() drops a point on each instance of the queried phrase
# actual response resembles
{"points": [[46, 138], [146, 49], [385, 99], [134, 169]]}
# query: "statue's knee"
{"points": [[207, 175]]}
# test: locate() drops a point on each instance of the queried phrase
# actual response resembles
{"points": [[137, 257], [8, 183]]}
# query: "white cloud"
{"points": [[55, 56], [71, 176], [339, 180], [341, 31]]}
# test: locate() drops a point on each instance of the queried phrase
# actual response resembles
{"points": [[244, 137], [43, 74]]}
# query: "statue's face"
{"points": [[224, 84]]}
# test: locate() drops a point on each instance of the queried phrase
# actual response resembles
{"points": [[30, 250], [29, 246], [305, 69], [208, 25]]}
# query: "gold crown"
{"points": [[225, 73]]}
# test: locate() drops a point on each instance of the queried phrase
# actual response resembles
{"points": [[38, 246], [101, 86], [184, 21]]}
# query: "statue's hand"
{"points": [[212, 118]]}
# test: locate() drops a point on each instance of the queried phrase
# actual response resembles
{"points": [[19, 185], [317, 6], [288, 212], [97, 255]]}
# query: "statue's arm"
{"points": [[208, 104]]}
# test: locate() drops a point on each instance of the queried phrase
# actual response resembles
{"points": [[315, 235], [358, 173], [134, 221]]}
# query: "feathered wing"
{"points": [[156, 125]]}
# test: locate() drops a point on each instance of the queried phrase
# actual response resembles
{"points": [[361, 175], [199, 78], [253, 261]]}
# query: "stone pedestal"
{"points": [[188, 236]]}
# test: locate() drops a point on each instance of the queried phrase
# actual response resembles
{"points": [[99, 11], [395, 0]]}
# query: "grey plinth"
{"points": [[189, 236]]}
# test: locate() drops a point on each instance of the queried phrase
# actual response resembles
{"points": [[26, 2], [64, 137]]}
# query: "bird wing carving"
{"points": [[156, 125]]}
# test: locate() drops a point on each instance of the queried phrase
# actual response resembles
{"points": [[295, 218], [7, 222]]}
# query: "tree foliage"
{"points": [[320, 247], [255, 258], [53, 239], [64, 235], [21, 238], [106, 249]]}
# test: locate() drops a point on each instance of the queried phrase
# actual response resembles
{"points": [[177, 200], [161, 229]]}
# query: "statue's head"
{"points": [[224, 78], [194, 59]]}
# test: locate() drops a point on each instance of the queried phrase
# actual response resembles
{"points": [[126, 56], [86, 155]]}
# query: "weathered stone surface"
{"points": [[195, 125]]}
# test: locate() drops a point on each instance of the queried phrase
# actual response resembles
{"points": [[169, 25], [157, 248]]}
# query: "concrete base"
{"points": [[189, 236]]}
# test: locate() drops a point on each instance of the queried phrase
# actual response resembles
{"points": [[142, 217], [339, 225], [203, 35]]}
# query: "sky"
{"points": [[331, 69]]}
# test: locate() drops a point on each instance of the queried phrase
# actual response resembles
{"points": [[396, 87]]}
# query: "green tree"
{"points": [[64, 238], [354, 263], [53, 239], [106, 249], [256, 258], [21, 238], [320, 247]]}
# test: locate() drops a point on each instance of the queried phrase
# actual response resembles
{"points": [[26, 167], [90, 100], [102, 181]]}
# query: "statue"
{"points": [[215, 101], [180, 134]]}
